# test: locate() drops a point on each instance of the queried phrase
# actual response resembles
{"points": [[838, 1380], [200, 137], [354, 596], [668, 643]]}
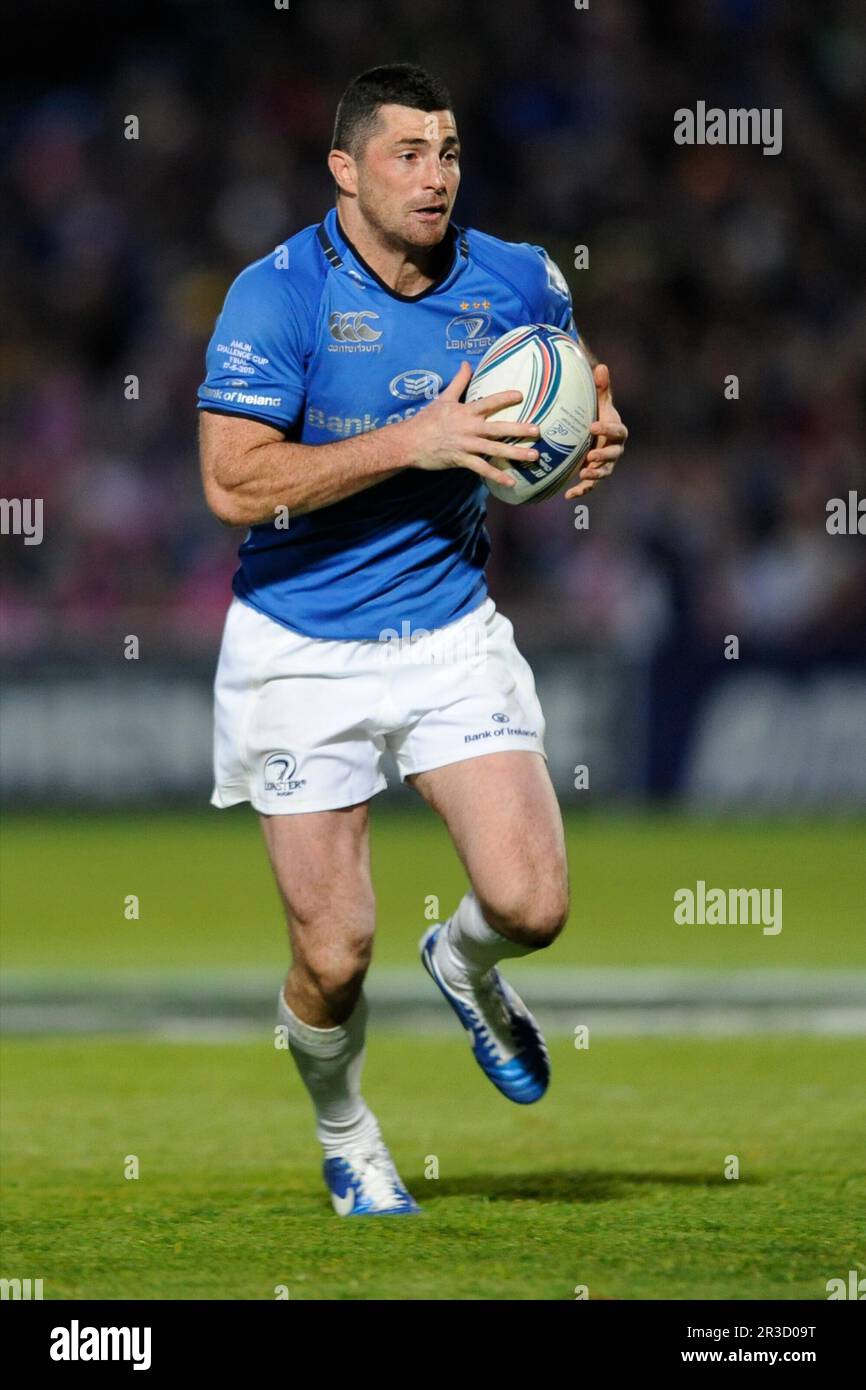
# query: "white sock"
{"points": [[468, 946], [330, 1062]]}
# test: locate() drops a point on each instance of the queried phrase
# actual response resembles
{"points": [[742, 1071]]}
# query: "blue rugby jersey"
{"points": [[312, 342]]}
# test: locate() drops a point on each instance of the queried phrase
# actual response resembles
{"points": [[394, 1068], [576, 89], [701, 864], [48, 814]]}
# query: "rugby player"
{"points": [[333, 428]]}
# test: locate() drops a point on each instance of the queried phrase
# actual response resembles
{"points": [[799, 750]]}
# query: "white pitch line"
{"points": [[218, 1005]]}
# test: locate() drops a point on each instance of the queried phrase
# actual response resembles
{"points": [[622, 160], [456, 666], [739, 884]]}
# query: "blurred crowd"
{"points": [[705, 264]]}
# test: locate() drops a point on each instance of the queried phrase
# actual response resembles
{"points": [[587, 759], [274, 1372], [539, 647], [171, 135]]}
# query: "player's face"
{"points": [[408, 175]]}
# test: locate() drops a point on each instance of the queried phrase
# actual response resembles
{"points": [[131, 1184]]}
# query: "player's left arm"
{"points": [[609, 430]]}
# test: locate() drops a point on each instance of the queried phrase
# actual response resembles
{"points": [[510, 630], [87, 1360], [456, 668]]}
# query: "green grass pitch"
{"points": [[207, 899], [616, 1180]]}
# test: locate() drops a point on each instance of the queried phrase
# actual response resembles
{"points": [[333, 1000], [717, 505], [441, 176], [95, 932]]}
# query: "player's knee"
{"points": [[339, 966], [333, 944], [534, 919], [544, 922]]}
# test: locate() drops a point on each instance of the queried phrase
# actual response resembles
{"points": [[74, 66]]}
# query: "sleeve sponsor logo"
{"points": [[214, 393]]}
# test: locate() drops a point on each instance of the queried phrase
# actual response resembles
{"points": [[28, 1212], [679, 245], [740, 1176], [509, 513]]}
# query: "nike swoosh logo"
{"points": [[344, 1205]]}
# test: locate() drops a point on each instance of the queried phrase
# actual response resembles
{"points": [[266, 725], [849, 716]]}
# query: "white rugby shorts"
{"points": [[302, 723]]}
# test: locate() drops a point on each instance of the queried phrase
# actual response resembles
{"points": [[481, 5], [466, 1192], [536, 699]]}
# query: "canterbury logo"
{"points": [[351, 328]]}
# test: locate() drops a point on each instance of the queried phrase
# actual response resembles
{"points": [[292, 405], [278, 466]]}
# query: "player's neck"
{"points": [[407, 271]]}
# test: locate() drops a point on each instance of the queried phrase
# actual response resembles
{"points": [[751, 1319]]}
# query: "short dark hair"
{"points": [[398, 84]]}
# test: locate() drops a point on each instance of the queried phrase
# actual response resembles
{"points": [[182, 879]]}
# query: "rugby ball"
{"points": [[559, 396]]}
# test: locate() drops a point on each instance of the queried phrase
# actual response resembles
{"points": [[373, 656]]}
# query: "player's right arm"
{"points": [[249, 469]]}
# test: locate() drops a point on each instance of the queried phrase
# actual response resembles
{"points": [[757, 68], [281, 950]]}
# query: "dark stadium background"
{"points": [[703, 262]]}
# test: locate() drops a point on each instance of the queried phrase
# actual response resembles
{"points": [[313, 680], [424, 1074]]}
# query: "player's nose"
{"points": [[436, 177], [436, 190]]}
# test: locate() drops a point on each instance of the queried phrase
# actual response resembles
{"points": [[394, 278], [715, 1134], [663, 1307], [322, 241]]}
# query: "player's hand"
{"points": [[611, 435], [449, 433]]}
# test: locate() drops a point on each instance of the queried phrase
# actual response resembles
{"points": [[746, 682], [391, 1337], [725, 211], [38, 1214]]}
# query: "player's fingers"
{"points": [[488, 404], [483, 469], [507, 429], [502, 450], [613, 452], [598, 470], [581, 490], [612, 429], [457, 385], [601, 376]]}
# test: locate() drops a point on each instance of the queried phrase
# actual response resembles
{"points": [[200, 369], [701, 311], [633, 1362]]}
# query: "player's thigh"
{"points": [[503, 816], [321, 862]]}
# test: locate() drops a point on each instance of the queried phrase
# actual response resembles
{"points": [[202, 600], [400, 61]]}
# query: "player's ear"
{"points": [[344, 171]]}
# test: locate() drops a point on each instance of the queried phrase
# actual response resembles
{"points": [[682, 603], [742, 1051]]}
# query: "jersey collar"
{"points": [[338, 248]]}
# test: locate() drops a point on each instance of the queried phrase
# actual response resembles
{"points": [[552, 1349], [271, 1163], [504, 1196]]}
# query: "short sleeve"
{"points": [[555, 300], [255, 358]]}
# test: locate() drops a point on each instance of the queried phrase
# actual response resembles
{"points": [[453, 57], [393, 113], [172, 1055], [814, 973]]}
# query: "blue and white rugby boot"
{"points": [[506, 1040], [366, 1183]]}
